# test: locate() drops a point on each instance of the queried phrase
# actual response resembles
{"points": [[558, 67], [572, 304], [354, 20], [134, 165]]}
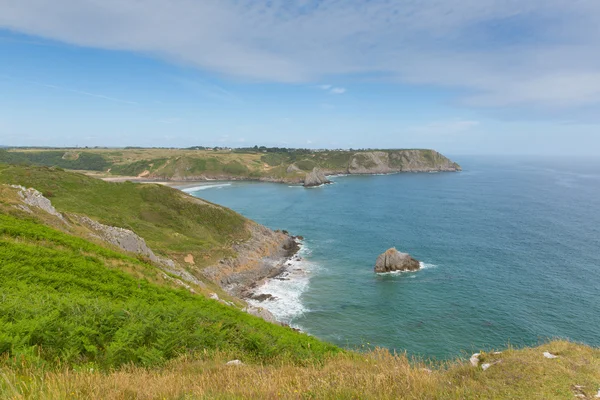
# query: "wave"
{"points": [[204, 187], [287, 289]]}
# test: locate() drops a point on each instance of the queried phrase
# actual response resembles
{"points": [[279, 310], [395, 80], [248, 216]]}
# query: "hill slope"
{"points": [[287, 165]]}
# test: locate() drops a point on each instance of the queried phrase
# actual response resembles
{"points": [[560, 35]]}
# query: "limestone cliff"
{"points": [[262, 256], [315, 178], [385, 162]]}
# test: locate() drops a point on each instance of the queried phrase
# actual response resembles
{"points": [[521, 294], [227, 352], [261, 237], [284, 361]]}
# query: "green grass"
{"points": [[63, 301], [172, 223], [70, 160]]}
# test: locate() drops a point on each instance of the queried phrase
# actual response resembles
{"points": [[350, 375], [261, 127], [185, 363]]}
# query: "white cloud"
{"points": [[337, 90], [540, 53]]}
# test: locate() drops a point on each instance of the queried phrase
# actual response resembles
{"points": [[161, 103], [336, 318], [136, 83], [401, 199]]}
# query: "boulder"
{"points": [[315, 178], [393, 260]]}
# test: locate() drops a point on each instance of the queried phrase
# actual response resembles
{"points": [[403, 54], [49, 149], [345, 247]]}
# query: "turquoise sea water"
{"points": [[511, 248]]}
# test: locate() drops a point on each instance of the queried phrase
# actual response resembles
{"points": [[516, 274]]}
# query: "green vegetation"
{"points": [[82, 161], [137, 167], [172, 223], [259, 163], [63, 300]]}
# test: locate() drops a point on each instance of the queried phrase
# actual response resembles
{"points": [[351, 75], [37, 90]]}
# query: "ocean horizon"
{"points": [[510, 250]]}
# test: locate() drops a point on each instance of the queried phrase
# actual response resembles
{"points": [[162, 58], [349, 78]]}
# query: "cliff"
{"points": [[285, 166], [315, 178]]}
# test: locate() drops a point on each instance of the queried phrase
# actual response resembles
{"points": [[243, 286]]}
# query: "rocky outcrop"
{"points": [[262, 256], [315, 178], [129, 241], [34, 198], [293, 168], [393, 260], [391, 161]]}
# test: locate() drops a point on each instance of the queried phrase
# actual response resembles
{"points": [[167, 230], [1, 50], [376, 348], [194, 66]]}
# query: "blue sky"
{"points": [[460, 76]]}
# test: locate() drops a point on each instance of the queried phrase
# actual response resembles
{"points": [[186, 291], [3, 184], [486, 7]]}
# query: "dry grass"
{"points": [[522, 374]]}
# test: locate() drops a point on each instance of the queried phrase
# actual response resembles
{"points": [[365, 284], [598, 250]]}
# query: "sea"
{"points": [[510, 250]]}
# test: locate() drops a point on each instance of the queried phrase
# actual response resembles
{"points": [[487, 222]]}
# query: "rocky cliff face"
{"points": [[263, 256], [315, 178], [385, 162]]}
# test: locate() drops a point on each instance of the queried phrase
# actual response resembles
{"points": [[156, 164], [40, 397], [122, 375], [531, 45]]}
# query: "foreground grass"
{"points": [[522, 374], [64, 300]]}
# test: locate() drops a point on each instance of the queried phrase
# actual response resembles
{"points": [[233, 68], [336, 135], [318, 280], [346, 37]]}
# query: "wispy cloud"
{"points": [[499, 53], [337, 90], [83, 93], [332, 90], [207, 89]]}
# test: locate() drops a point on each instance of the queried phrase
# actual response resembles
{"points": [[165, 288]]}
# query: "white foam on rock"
{"points": [[287, 288], [422, 266]]}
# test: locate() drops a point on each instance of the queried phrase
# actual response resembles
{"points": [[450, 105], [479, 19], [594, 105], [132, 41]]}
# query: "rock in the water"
{"points": [[263, 297], [393, 260], [315, 178]]}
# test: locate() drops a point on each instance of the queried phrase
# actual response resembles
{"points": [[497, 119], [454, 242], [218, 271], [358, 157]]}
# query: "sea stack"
{"points": [[393, 260], [315, 178]]}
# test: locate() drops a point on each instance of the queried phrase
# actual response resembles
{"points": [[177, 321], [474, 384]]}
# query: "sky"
{"points": [[459, 76]]}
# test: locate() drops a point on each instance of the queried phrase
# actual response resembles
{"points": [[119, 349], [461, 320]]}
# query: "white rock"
{"points": [[214, 296], [598, 395], [485, 366], [427, 370], [234, 362], [475, 359], [497, 352], [549, 355]]}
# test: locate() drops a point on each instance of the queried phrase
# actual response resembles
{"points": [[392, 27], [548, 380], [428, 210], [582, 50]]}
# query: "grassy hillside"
{"points": [[67, 300], [173, 224], [289, 165]]}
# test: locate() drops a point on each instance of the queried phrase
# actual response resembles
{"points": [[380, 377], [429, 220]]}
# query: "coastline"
{"points": [[181, 183], [280, 293]]}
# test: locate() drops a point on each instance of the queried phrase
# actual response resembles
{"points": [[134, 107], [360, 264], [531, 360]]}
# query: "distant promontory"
{"points": [[296, 166]]}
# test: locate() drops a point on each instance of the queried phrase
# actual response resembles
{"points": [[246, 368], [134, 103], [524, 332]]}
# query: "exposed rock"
{"points": [[189, 259], [293, 168], [373, 162], [214, 296], [264, 255], [474, 360], [234, 362], [549, 355], [34, 198], [261, 313], [487, 365], [393, 260], [262, 297], [315, 178], [129, 241], [385, 162]]}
